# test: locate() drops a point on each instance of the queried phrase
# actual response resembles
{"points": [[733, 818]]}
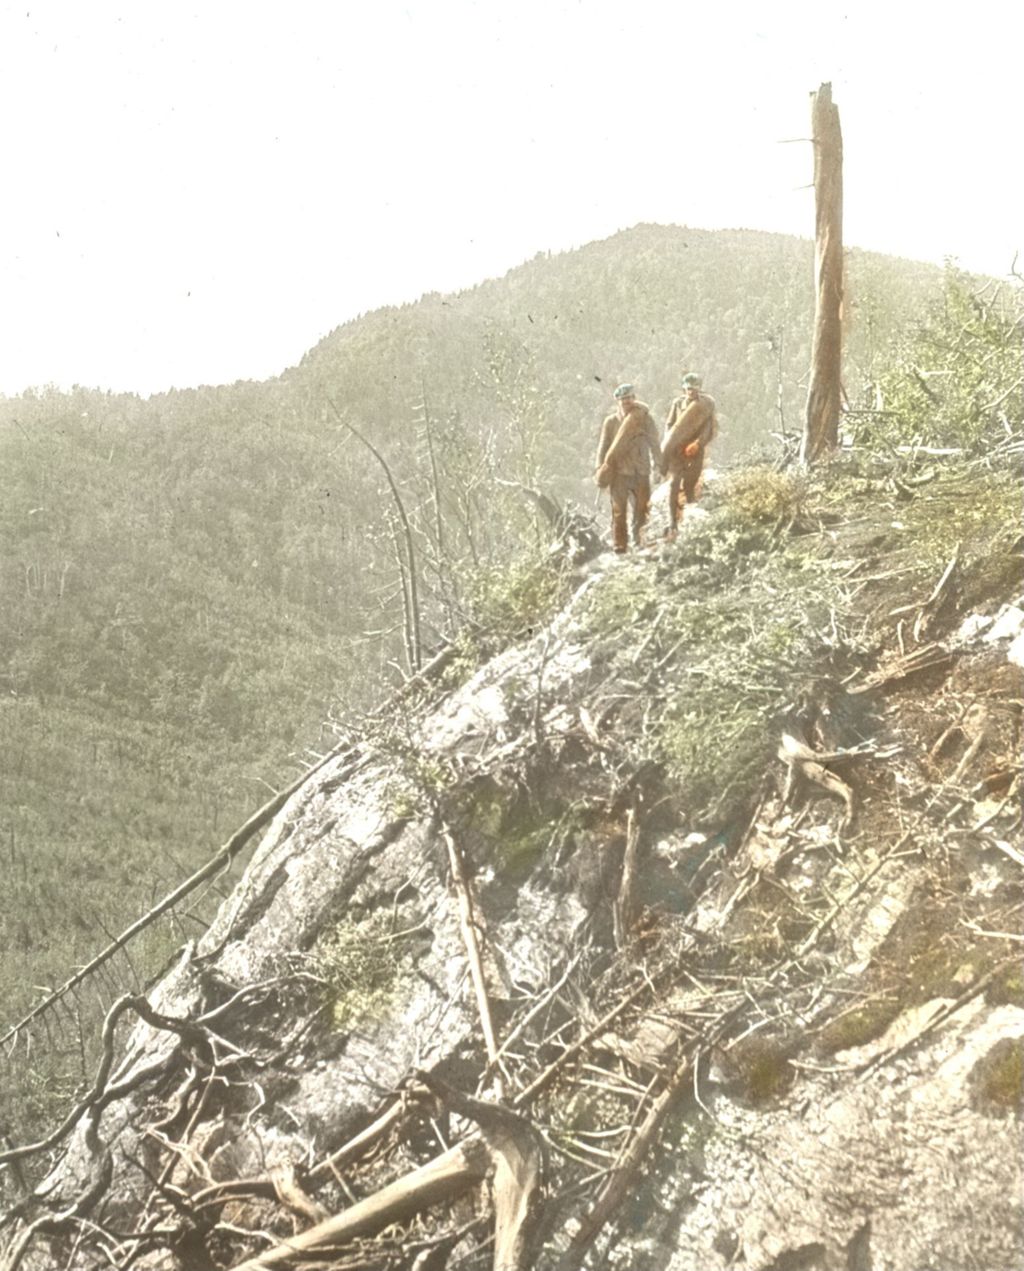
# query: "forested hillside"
{"points": [[559, 332], [193, 584]]}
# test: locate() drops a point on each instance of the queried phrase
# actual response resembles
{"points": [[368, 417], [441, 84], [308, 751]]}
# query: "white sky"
{"points": [[197, 192]]}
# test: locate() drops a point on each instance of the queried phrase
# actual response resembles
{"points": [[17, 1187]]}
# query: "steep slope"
{"points": [[691, 923], [189, 582]]}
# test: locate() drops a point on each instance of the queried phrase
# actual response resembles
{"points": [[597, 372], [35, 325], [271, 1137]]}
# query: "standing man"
{"points": [[628, 447], [690, 429]]}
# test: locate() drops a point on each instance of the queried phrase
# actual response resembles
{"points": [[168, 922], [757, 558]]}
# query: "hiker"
{"points": [[628, 447], [689, 430]]}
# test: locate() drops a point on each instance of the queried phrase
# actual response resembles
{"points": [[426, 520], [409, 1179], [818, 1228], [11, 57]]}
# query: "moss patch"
{"points": [[929, 954], [997, 1080], [1008, 988], [361, 964], [522, 852], [758, 1068], [510, 826], [858, 1025]]}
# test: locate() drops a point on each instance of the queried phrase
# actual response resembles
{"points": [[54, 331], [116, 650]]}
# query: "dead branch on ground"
{"points": [[469, 935], [926, 658], [801, 758], [518, 1171], [624, 912]]}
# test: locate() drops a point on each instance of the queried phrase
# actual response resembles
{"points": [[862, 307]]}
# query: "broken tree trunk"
{"points": [[821, 424]]}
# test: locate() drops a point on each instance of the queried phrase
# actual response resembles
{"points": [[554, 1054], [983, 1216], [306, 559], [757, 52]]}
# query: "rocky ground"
{"points": [[683, 935]]}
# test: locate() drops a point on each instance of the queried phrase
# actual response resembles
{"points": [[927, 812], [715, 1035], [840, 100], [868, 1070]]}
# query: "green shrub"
{"points": [[955, 380], [515, 600]]}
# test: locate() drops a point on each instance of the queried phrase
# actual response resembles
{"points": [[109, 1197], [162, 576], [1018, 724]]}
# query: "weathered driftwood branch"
{"points": [[449, 1175], [518, 1171], [269, 1186], [800, 757], [977, 726], [926, 614], [290, 1193], [359, 1143], [923, 659], [439, 1181]]}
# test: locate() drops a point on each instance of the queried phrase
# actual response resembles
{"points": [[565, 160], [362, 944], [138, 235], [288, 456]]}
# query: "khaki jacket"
{"points": [[687, 422], [639, 448]]}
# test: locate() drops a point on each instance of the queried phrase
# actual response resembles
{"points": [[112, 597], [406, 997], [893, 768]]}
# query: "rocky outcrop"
{"points": [[816, 1022]]}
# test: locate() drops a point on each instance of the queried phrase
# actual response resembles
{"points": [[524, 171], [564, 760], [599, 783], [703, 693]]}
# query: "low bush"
{"points": [[762, 496], [515, 600]]}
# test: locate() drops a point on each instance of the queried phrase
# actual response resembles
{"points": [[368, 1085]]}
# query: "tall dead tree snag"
{"points": [[821, 425]]}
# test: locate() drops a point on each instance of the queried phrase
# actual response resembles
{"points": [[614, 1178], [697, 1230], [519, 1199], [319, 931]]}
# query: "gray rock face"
{"points": [[892, 1170]]}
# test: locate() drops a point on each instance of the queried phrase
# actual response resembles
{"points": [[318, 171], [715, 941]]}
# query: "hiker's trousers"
{"points": [[629, 488], [685, 487]]}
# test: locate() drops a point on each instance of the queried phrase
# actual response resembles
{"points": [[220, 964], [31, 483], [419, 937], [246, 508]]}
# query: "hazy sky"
{"points": [[196, 193]]}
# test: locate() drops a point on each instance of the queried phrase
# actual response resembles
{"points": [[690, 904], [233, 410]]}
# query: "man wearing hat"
{"points": [[690, 429], [628, 447]]}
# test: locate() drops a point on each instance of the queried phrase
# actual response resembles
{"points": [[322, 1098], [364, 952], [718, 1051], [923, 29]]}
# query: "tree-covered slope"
{"points": [[645, 305]]}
